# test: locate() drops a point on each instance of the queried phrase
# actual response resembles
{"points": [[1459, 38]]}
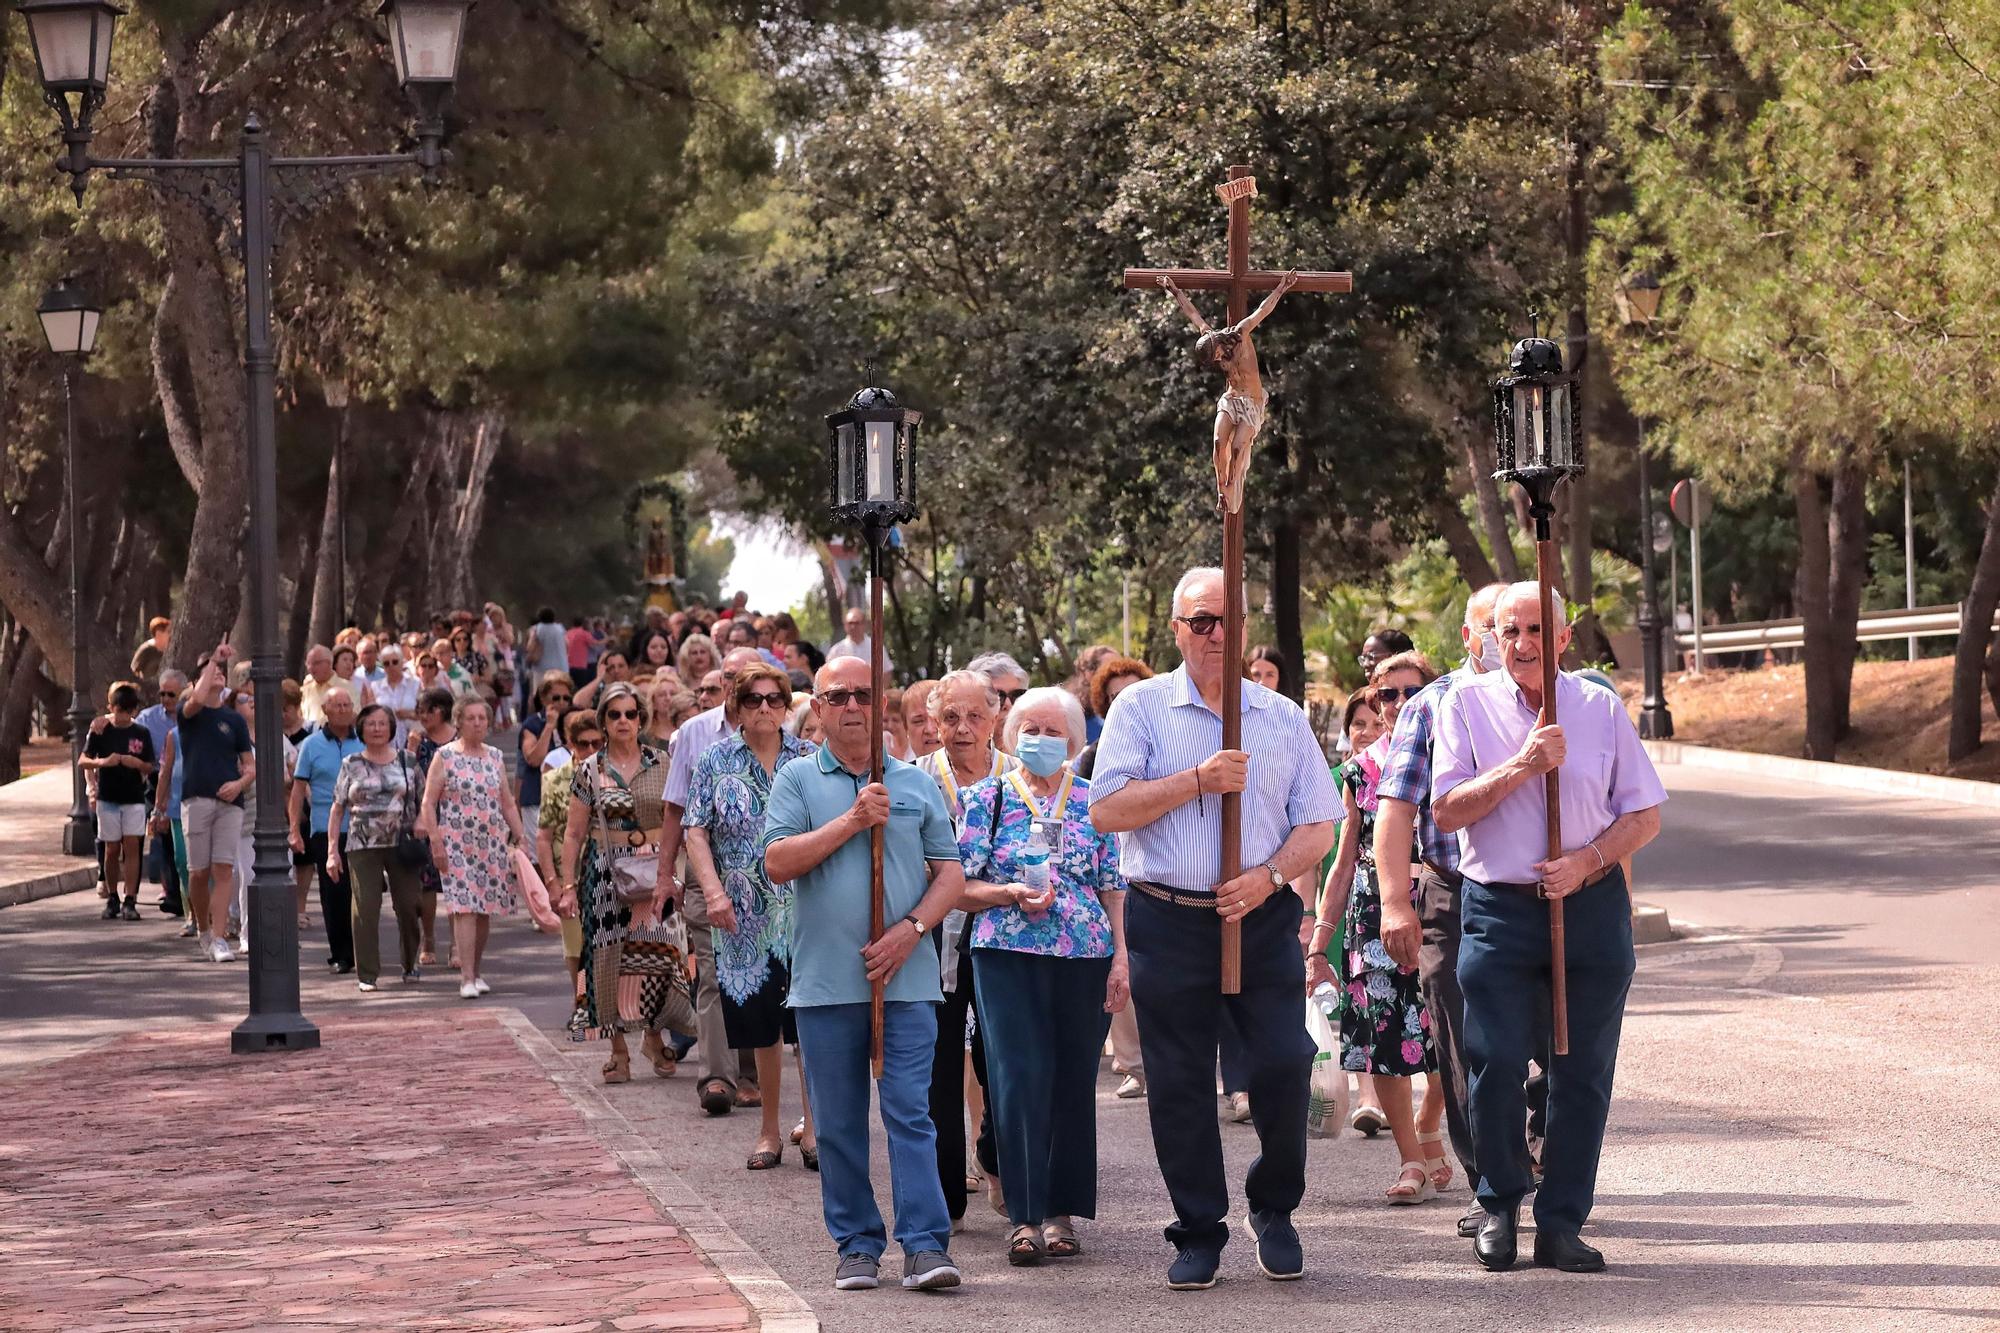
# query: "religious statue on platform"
{"points": [[659, 554], [1239, 413]]}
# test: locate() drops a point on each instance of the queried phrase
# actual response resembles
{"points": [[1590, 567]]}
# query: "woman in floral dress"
{"points": [[1051, 968], [625, 783], [1385, 1030], [473, 821], [750, 917]]}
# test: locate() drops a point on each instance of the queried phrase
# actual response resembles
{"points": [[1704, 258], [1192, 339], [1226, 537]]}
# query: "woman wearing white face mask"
{"points": [[1048, 952]]}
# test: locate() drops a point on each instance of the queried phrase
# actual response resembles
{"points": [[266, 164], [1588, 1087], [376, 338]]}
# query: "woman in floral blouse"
{"points": [[750, 917], [375, 798], [1050, 967]]}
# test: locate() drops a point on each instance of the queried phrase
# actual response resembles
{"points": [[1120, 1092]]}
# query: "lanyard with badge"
{"points": [[1048, 822], [947, 781]]}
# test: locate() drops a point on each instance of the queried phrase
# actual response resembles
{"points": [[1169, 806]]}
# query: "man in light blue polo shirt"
{"points": [[312, 787], [816, 838]]}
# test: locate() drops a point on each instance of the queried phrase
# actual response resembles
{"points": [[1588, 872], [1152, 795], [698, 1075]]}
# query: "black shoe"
{"points": [[131, 909], [1279, 1254], [171, 907], [1565, 1250], [1494, 1246], [110, 912], [342, 969], [1194, 1270], [716, 1095], [1468, 1225]]}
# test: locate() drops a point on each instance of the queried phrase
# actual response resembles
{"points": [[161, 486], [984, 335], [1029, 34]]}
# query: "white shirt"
{"points": [[849, 648]]}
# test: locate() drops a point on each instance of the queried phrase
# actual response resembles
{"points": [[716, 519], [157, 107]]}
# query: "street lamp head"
{"points": [[872, 459], [1637, 297], [424, 37], [69, 319], [1534, 424], [72, 42]]}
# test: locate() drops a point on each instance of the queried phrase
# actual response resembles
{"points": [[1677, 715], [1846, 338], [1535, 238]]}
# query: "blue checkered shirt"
{"points": [[1407, 775]]}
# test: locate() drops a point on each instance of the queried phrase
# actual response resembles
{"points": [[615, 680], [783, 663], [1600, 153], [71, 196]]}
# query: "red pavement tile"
{"points": [[417, 1171]]}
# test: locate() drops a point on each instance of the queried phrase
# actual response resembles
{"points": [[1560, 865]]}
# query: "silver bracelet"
{"points": [[1601, 862]]}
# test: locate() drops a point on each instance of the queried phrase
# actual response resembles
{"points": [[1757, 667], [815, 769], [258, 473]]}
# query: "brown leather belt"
{"points": [[1167, 893], [641, 837]]}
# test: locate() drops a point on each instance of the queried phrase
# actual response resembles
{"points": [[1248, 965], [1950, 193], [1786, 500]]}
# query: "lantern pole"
{"points": [[878, 538], [1539, 361]]}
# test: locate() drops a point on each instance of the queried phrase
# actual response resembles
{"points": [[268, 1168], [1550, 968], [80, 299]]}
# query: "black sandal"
{"points": [[764, 1159], [810, 1157], [1024, 1246], [717, 1096], [1060, 1238]]}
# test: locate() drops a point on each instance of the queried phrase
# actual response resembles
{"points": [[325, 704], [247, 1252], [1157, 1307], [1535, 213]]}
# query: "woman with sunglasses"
{"points": [[396, 691], [751, 917], [541, 733], [1385, 1029], [626, 784], [583, 738], [967, 709]]}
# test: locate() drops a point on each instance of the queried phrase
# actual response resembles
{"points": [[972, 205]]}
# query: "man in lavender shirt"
{"points": [[1489, 756]]}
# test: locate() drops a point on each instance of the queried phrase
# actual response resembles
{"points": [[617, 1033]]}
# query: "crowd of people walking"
{"points": [[694, 795]]}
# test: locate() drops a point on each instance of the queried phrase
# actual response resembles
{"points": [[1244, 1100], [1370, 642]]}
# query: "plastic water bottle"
{"points": [[1034, 864], [1327, 996]]}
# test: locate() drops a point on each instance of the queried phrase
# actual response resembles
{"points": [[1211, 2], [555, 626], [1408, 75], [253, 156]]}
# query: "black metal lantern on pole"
{"points": [[72, 43], [1535, 441], [872, 462], [1637, 299], [69, 322]]}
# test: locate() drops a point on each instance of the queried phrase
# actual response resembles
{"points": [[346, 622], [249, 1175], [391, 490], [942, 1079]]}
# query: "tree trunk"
{"points": [[374, 586], [1820, 656], [1459, 539], [1975, 634], [1286, 593], [1492, 509], [298, 620], [17, 704], [326, 611], [1847, 537]]}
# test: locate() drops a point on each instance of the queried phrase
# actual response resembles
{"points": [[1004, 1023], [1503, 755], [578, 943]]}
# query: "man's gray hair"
{"points": [[1484, 601], [1189, 579], [174, 677], [990, 665], [1530, 588], [1072, 715]]}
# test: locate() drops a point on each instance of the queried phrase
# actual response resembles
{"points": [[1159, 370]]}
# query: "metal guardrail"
{"points": [[1873, 626]]}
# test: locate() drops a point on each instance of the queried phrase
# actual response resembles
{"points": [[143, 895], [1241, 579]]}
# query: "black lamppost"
{"points": [[872, 455], [69, 322], [72, 44], [1638, 300]]}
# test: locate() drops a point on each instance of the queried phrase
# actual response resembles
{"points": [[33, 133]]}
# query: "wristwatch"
{"points": [[1277, 879], [913, 919]]}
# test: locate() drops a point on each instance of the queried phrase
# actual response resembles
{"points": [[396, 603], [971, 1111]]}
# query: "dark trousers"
{"points": [[1503, 968], [1176, 957], [1044, 1022], [336, 905], [947, 1093], [1235, 1066], [170, 870]]}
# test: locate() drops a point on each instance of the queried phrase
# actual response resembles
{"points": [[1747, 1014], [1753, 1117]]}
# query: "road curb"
{"points": [[1853, 777], [1650, 924], [778, 1308], [48, 886]]}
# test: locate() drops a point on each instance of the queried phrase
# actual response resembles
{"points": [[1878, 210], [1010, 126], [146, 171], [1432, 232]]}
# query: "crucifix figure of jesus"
{"points": [[1232, 459]]}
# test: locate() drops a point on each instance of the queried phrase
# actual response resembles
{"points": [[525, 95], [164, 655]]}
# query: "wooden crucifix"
{"points": [[1239, 416]]}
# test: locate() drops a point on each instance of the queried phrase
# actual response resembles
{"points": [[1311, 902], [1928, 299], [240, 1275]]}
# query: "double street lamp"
{"points": [[72, 41], [69, 323], [1638, 301]]}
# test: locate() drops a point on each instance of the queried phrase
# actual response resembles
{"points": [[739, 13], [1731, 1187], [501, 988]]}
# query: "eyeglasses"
{"points": [[760, 699], [708, 689], [587, 743], [1010, 697], [842, 698], [559, 698], [1202, 625], [951, 717], [1391, 693], [621, 715], [170, 694]]}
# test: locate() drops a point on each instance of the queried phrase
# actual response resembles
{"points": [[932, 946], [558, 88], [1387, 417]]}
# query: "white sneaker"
{"points": [[479, 984], [220, 951], [467, 991], [1133, 1086], [364, 986], [204, 947]]}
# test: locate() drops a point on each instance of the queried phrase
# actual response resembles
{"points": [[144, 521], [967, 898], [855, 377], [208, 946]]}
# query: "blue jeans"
{"points": [[833, 1040], [1503, 968]]}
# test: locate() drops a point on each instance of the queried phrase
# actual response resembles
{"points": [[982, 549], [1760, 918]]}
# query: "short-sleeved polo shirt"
{"points": [[830, 901], [319, 766]]}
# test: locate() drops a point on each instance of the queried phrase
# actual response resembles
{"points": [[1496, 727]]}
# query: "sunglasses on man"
{"points": [[1201, 624], [842, 698]]}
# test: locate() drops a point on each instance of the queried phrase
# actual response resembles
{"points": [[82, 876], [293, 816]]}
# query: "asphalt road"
{"points": [[1801, 1137]]}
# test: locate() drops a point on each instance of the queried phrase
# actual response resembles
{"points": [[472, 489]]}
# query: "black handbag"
{"points": [[411, 849]]}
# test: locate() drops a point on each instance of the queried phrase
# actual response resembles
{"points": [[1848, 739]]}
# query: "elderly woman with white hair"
{"points": [[1048, 953]]}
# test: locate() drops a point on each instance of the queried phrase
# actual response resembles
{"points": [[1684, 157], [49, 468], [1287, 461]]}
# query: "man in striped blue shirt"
{"points": [[1161, 772], [1431, 946]]}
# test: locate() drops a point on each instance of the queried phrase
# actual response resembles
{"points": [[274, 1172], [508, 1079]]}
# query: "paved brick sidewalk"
{"points": [[419, 1171]]}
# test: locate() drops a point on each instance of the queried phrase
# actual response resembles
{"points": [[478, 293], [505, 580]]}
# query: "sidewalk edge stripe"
{"points": [[1874, 781], [777, 1307]]}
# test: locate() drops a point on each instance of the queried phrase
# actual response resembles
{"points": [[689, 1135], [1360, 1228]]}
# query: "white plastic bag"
{"points": [[1326, 1108]]}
